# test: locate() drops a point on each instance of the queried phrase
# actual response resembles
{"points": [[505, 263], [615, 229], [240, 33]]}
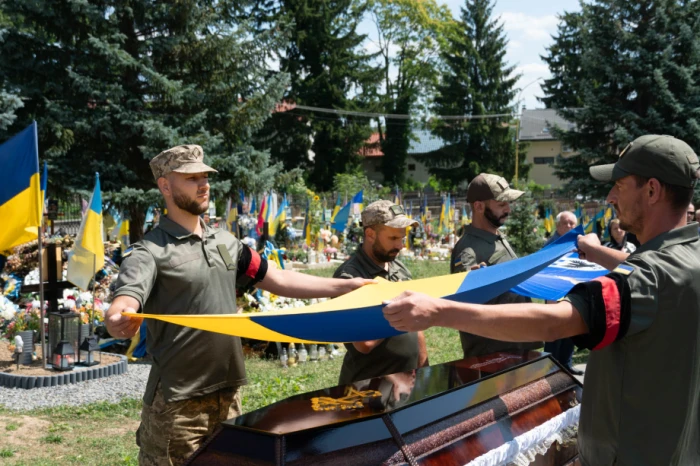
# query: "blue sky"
{"points": [[528, 25]]}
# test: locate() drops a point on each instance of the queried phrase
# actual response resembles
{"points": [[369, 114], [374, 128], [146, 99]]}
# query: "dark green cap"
{"points": [[653, 156]]}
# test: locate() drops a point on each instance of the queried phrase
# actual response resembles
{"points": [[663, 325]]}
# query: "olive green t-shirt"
{"points": [[474, 247], [173, 271], [641, 403], [392, 355]]}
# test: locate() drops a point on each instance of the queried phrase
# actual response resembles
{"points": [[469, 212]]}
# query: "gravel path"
{"points": [[112, 389]]}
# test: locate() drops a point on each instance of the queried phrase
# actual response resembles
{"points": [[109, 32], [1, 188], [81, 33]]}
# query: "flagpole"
{"points": [[41, 294]]}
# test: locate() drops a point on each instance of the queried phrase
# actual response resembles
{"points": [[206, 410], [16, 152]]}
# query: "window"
{"points": [[544, 160], [411, 167], [565, 148], [545, 130]]}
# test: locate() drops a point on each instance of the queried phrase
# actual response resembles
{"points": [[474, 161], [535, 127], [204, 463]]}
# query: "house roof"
{"points": [[423, 141], [535, 125]]}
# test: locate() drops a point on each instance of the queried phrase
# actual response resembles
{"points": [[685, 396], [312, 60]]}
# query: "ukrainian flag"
{"points": [[124, 234], [357, 202], [336, 209], [280, 218], [88, 256], [307, 224], [340, 221], [20, 193]]}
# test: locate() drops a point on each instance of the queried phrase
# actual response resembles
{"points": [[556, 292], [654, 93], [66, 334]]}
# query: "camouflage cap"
{"points": [[386, 213], [653, 156], [487, 186], [181, 159]]}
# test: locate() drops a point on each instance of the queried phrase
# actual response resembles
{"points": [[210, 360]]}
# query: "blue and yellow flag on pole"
{"points": [[307, 224], [341, 219], [280, 218], [21, 206], [88, 255], [336, 209]]}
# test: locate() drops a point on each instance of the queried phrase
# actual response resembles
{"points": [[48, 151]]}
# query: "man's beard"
{"points": [[189, 205], [497, 222], [382, 255], [628, 227]]}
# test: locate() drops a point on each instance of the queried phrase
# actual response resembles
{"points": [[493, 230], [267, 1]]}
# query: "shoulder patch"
{"points": [[128, 252], [623, 269]]}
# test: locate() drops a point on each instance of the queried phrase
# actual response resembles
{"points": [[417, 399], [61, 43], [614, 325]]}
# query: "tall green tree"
{"points": [[640, 74], [564, 88], [477, 82], [114, 82], [408, 35], [329, 69]]}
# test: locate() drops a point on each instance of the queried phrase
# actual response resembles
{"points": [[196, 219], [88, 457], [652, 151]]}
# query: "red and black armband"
{"points": [[251, 269], [607, 301]]}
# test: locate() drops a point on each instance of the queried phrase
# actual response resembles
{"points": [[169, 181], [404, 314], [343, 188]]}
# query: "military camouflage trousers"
{"points": [[171, 432]]}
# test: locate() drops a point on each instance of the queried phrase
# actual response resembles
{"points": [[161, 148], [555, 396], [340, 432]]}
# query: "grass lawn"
{"points": [[103, 434]]}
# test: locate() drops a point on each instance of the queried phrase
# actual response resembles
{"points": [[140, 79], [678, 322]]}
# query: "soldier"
{"points": [[642, 321], [384, 224], [183, 266], [482, 244]]}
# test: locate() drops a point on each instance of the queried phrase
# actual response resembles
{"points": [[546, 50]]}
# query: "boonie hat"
{"points": [[181, 159], [386, 213]]}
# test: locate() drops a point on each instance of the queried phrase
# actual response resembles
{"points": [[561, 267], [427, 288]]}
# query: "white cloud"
{"points": [[536, 69], [532, 27]]}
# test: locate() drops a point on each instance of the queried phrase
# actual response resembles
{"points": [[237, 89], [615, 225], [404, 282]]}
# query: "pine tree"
{"points": [[563, 89], [477, 82], [329, 69], [114, 82], [640, 74], [522, 225]]}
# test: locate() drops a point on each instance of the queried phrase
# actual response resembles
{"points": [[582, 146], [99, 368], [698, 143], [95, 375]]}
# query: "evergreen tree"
{"points": [[522, 225], [563, 89], [477, 82], [640, 74], [114, 82], [328, 69]]}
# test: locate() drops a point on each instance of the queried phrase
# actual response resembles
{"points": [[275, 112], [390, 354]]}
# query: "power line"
{"points": [[402, 116]]}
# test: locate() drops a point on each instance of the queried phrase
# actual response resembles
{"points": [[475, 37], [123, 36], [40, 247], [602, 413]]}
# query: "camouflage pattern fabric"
{"points": [[171, 432], [181, 159]]}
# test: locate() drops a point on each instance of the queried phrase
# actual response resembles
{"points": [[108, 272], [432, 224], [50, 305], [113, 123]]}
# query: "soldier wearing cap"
{"points": [[183, 266], [641, 321], [482, 244], [384, 224]]}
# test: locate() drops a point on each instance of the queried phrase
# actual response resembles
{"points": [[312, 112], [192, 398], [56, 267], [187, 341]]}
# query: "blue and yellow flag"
{"points": [[341, 219], [336, 209], [358, 201], [21, 206], [357, 316], [280, 218], [307, 224], [88, 256], [124, 234]]}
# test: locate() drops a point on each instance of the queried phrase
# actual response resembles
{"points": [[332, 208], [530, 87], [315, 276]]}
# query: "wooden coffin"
{"points": [[447, 414]]}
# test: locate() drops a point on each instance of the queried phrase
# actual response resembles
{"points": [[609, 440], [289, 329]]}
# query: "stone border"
{"points": [[64, 378]]}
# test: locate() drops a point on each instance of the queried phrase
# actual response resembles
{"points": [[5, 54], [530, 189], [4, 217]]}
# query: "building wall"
{"points": [[541, 156], [414, 169]]}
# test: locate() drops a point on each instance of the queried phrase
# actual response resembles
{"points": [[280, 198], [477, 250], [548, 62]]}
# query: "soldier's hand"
{"points": [[411, 311], [348, 285], [120, 326], [477, 266], [587, 245]]}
